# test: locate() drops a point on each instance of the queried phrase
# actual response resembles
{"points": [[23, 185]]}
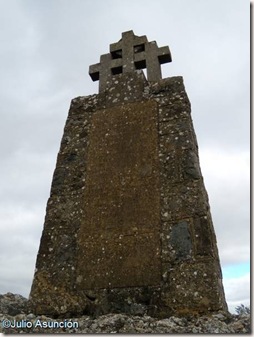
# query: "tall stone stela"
{"points": [[128, 225]]}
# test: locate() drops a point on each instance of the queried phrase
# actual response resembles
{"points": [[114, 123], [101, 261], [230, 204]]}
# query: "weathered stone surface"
{"points": [[180, 240], [13, 304], [128, 227], [119, 239], [27, 322]]}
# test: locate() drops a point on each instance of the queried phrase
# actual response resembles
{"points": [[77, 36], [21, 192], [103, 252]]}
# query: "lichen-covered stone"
{"points": [[128, 227], [24, 321]]}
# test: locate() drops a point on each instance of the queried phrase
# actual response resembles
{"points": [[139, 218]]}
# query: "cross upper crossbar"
{"points": [[127, 55]]}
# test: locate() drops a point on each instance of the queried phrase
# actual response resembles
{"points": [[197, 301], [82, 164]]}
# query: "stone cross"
{"points": [[127, 55]]}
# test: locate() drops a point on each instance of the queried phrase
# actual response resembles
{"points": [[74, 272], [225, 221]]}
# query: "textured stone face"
{"points": [[119, 241], [128, 225]]}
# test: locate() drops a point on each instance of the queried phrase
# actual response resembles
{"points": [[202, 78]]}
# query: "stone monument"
{"points": [[128, 225]]}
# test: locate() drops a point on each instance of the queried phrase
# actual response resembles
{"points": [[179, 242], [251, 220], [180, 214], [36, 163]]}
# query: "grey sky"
{"points": [[46, 49]]}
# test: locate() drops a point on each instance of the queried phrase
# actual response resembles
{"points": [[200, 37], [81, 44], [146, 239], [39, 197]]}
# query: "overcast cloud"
{"points": [[46, 49]]}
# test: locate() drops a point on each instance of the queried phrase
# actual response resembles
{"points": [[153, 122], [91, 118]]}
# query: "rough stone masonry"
{"points": [[128, 227]]}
